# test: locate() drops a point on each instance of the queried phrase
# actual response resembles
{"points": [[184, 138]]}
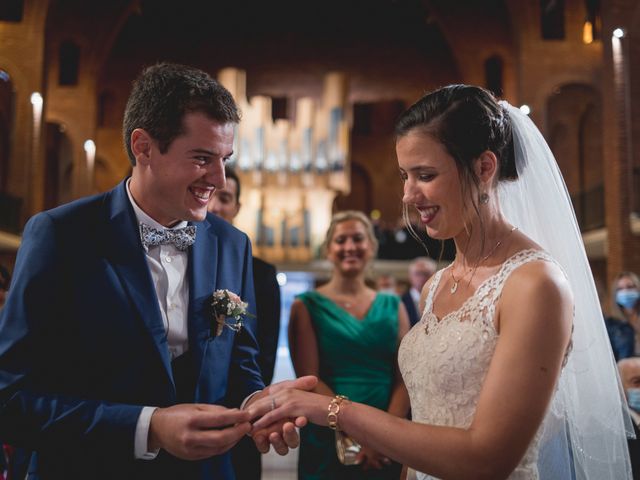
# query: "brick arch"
{"points": [[551, 84], [576, 109], [19, 79]]}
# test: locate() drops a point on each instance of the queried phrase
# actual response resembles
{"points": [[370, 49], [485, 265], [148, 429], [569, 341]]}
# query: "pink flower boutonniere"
{"points": [[227, 305]]}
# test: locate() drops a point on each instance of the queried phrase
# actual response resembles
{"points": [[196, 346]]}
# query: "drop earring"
{"points": [[483, 198]]}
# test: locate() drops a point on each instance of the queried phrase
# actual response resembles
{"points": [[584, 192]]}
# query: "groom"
{"points": [[111, 363]]}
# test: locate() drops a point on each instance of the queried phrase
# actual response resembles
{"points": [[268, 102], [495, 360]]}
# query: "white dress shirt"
{"points": [[415, 296], [168, 267]]}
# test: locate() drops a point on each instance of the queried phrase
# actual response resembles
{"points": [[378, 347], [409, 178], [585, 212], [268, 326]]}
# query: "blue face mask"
{"points": [[633, 398], [627, 298]]}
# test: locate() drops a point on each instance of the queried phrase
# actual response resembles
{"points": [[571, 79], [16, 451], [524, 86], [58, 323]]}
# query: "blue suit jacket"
{"points": [[414, 317], [83, 346]]}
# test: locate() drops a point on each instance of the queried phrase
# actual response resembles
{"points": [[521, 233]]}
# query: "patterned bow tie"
{"points": [[181, 238]]}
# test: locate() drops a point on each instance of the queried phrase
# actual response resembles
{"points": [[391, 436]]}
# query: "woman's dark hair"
{"points": [[468, 121]]}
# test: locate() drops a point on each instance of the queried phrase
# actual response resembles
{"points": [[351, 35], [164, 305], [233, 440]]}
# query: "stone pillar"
{"points": [[623, 245]]}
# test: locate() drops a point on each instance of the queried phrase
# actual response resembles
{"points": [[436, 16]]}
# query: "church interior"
{"points": [[320, 86]]}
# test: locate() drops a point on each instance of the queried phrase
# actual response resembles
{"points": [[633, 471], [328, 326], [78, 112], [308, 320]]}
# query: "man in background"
{"points": [[629, 369], [225, 203], [385, 282], [420, 270]]}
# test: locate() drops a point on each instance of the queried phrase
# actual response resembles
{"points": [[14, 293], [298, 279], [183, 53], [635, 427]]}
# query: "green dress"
{"points": [[357, 359]]}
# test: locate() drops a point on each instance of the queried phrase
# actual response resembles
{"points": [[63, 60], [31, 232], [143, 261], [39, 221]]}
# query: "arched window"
{"points": [[68, 63], [575, 123], [552, 19], [493, 68], [594, 18], [11, 10]]}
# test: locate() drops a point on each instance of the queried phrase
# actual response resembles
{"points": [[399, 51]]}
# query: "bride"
{"points": [[509, 370]]}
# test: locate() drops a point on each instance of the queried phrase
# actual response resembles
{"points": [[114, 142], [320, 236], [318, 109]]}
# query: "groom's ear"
{"points": [[486, 167], [141, 145]]}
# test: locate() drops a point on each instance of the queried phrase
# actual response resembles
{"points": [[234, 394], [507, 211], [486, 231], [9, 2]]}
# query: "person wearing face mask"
{"points": [[629, 369], [623, 326], [347, 334]]}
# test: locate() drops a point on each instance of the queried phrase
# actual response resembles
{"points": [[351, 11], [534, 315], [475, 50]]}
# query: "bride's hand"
{"points": [[289, 403], [282, 433]]}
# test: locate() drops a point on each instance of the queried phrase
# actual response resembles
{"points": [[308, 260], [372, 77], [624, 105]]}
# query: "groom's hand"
{"points": [[197, 431]]}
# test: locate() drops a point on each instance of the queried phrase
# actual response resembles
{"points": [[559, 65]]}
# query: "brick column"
{"points": [[623, 245]]}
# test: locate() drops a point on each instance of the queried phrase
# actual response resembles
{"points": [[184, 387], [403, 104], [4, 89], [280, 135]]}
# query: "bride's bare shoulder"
{"points": [[539, 286], [541, 273]]}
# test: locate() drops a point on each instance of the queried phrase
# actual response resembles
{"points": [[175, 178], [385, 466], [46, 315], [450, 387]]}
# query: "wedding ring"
{"points": [[273, 403]]}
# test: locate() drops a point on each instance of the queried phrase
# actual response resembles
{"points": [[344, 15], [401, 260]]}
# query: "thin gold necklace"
{"points": [[454, 287], [350, 302]]}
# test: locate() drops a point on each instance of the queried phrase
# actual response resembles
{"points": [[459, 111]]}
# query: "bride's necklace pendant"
{"points": [[454, 287]]}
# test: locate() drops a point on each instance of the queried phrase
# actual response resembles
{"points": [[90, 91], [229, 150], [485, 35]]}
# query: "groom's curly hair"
{"points": [[164, 93]]}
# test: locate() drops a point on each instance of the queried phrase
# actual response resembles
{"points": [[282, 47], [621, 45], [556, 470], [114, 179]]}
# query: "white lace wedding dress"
{"points": [[444, 362]]}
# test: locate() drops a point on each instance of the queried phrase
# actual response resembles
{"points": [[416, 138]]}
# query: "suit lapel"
{"points": [[203, 262], [130, 263]]}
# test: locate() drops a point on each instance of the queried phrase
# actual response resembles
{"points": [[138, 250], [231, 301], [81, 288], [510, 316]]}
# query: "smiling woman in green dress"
{"points": [[347, 335]]}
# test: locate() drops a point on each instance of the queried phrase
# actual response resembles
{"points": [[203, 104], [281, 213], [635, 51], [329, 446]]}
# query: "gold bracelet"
{"points": [[333, 410]]}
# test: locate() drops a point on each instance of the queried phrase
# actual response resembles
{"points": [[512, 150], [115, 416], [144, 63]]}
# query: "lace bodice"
{"points": [[444, 362]]}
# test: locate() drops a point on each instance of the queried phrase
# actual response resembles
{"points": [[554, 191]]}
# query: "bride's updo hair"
{"points": [[467, 120]]}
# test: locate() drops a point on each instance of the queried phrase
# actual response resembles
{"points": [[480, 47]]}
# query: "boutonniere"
{"points": [[227, 305]]}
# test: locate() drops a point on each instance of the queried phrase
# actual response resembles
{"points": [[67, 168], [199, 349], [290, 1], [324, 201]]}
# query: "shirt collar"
{"points": [[415, 294], [142, 217]]}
